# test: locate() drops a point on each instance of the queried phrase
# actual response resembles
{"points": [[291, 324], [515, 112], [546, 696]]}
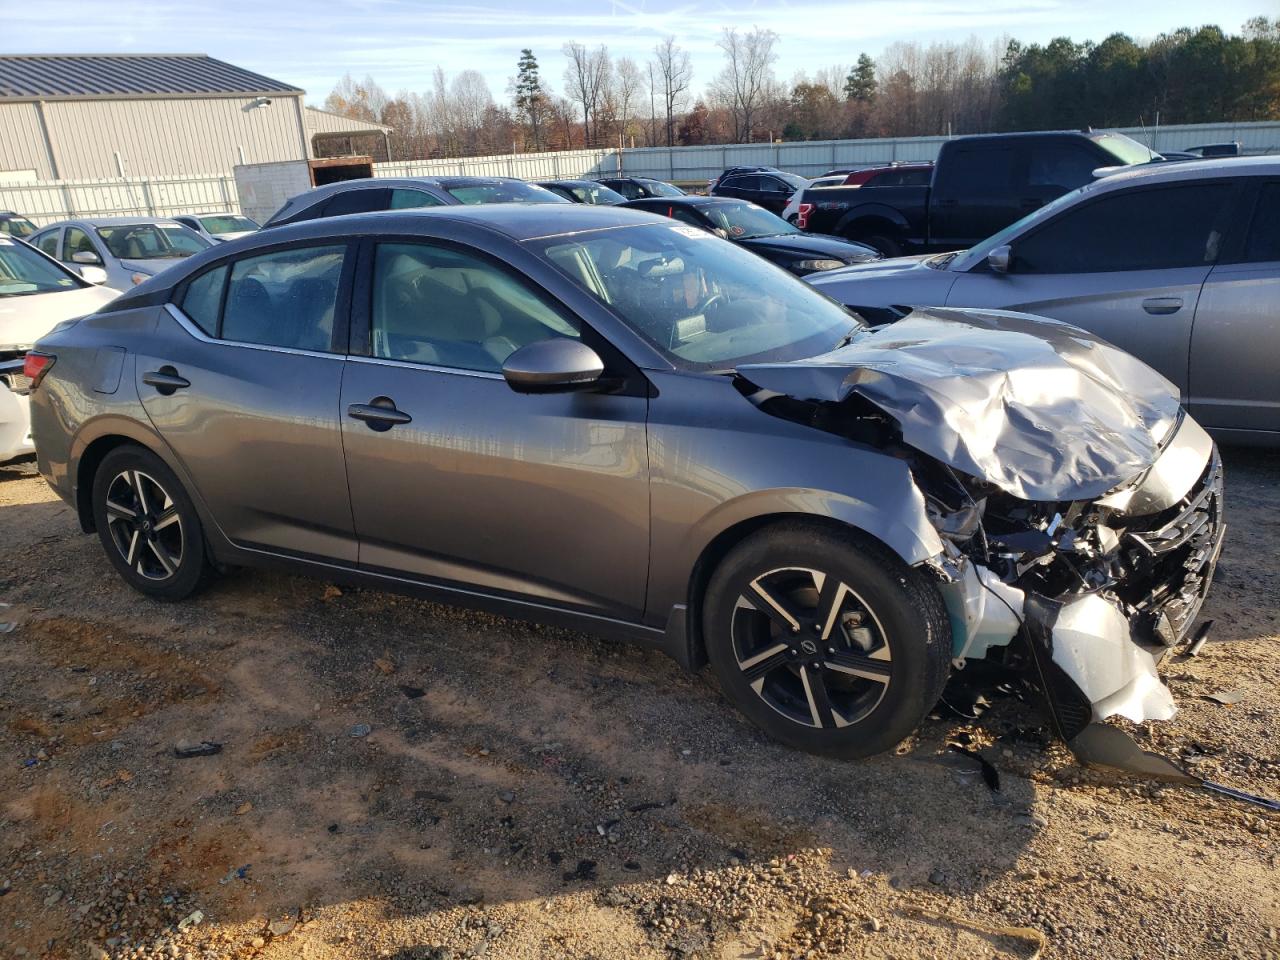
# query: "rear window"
{"points": [[502, 191], [17, 227]]}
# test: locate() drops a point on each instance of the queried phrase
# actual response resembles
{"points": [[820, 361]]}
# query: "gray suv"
{"points": [[1178, 263], [612, 421]]}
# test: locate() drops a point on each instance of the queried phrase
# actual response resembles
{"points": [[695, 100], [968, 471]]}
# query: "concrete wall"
{"points": [[94, 139]]}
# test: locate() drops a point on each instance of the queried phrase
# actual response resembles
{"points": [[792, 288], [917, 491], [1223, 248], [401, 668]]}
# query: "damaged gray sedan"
{"points": [[609, 421]]}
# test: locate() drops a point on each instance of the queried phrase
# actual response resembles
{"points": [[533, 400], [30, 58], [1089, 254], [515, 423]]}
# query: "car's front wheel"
{"points": [[148, 524], [825, 639]]}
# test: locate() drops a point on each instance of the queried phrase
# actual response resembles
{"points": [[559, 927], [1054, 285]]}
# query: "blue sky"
{"points": [[311, 43]]}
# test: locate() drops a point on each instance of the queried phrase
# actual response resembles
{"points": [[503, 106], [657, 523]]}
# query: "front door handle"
{"points": [[1159, 306], [379, 414], [165, 380]]}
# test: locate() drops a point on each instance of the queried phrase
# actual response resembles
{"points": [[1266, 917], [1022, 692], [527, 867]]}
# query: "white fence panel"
{"points": [[49, 201], [567, 164]]}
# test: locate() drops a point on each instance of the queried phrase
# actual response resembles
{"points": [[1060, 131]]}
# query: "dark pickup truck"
{"points": [[980, 185]]}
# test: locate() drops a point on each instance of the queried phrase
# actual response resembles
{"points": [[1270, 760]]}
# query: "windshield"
{"points": [[228, 223], [1125, 149], [705, 303], [977, 253], [502, 191], [660, 189], [151, 241], [24, 272], [595, 193], [743, 221], [17, 227]]}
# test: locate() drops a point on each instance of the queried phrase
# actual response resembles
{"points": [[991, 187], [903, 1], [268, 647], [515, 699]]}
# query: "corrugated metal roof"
{"points": [[77, 76], [322, 121]]}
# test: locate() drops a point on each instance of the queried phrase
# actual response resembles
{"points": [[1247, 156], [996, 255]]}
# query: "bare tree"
{"points": [[747, 82], [585, 79], [628, 87], [674, 74], [360, 101]]}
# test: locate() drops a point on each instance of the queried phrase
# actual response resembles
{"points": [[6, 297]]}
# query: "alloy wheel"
{"points": [[145, 525], [810, 647]]}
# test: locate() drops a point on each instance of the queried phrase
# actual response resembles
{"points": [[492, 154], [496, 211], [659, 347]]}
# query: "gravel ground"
{"points": [[399, 779]]}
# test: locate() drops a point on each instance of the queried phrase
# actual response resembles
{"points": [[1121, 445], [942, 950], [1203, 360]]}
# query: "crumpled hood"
{"points": [[888, 267], [1041, 409]]}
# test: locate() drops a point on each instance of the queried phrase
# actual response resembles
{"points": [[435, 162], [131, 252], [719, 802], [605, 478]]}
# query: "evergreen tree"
{"points": [[860, 85], [530, 97]]}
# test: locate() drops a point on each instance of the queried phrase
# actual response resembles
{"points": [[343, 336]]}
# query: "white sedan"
{"points": [[219, 226], [36, 294]]}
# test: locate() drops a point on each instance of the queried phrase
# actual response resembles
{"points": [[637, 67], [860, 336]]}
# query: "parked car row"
{"points": [[592, 416]]}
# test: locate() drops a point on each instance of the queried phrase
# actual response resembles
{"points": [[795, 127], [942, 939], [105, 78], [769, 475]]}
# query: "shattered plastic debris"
{"points": [[1226, 697], [1043, 410], [205, 748], [990, 775], [194, 918]]}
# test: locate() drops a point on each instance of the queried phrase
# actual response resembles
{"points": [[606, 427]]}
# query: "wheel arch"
{"points": [[872, 217], [727, 539]]}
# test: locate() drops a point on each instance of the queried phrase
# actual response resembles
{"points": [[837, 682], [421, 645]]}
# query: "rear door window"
{"points": [[409, 199], [1263, 244], [284, 299], [1152, 229], [357, 201], [202, 301], [48, 242], [982, 171]]}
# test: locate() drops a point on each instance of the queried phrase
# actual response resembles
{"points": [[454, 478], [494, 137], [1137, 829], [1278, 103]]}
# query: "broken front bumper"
{"points": [[1093, 659]]}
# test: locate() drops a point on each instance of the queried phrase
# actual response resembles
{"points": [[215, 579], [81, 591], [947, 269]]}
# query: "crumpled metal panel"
{"points": [[1041, 409]]}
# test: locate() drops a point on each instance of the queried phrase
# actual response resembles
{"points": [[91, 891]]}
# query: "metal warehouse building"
{"points": [[78, 117]]}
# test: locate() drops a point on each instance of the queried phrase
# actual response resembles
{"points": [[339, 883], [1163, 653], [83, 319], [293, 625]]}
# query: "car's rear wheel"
{"points": [[148, 524], [825, 639]]}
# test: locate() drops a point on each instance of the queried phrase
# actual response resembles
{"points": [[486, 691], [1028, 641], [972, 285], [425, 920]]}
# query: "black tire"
{"points": [[888, 246], [148, 525], [886, 655]]}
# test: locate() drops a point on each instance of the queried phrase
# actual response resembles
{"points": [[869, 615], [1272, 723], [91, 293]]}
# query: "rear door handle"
{"points": [[379, 414], [1162, 305], [165, 380]]}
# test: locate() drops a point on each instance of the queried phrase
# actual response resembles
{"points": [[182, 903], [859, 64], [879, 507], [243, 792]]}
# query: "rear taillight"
{"points": [[36, 365], [802, 216]]}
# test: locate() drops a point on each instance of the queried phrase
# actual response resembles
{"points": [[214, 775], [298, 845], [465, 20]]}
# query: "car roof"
{"points": [[517, 221], [691, 200], [1177, 171]]}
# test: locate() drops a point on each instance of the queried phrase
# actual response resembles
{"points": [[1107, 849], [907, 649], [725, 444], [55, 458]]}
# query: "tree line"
{"points": [[1187, 76]]}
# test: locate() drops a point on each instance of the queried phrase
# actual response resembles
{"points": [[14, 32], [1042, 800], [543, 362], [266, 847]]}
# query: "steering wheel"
{"points": [[710, 301]]}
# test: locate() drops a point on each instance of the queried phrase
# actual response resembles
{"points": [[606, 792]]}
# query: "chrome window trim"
{"points": [[191, 328], [195, 332], [430, 367]]}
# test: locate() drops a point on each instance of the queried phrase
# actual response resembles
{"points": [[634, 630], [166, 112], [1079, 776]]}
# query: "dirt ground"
{"points": [[405, 780]]}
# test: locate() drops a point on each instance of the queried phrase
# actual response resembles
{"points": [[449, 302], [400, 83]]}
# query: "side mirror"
{"points": [[999, 258], [95, 275], [559, 365], [86, 257]]}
